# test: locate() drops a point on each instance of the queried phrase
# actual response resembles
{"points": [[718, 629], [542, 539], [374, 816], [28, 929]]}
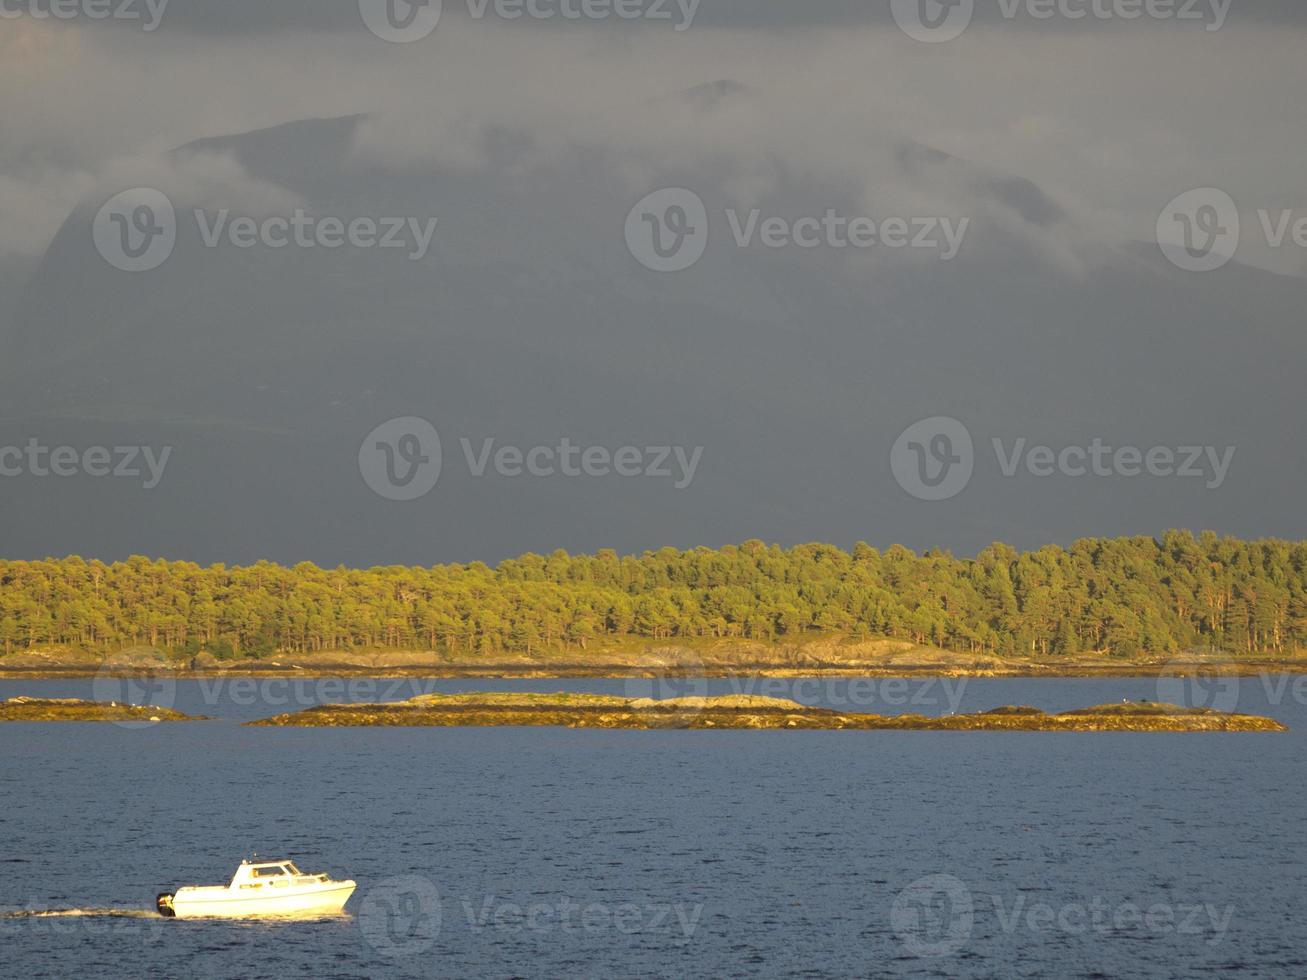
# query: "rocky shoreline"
{"points": [[817, 656], [517, 671], [75, 709], [746, 712], [731, 711]]}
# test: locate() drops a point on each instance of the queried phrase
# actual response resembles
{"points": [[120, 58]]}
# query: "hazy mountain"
{"points": [[528, 320]]}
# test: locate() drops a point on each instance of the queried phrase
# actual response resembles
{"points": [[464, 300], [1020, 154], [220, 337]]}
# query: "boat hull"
{"points": [[222, 903]]}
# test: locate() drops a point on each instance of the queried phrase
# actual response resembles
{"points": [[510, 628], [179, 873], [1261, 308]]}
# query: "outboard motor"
{"points": [[163, 902]]}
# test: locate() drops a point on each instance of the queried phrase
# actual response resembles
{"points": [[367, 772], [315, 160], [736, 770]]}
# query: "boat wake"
{"points": [[12, 915], [79, 913]]}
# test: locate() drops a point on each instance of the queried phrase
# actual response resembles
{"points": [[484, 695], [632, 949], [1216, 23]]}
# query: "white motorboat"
{"points": [[266, 888]]}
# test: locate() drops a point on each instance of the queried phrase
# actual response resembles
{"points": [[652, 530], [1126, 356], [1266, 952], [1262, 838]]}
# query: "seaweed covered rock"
{"points": [[745, 712], [75, 709]]}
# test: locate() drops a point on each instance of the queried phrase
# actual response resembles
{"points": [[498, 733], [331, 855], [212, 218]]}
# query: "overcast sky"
{"points": [[1062, 139], [1109, 117]]}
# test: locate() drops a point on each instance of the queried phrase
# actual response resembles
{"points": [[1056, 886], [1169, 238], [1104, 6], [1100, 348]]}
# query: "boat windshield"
{"points": [[290, 868]]}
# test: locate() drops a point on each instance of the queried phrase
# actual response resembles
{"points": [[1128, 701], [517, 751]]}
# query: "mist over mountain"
{"points": [[528, 320]]}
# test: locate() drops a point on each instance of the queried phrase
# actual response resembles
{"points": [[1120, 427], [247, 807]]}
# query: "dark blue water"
{"points": [[550, 852]]}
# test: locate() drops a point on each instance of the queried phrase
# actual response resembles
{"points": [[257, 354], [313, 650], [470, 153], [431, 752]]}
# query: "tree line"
{"points": [[1119, 597]]}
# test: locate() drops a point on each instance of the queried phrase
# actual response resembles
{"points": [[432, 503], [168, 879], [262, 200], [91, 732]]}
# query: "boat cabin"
{"points": [[272, 873]]}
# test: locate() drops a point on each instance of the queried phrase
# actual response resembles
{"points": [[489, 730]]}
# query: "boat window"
{"points": [[270, 872], [290, 866]]}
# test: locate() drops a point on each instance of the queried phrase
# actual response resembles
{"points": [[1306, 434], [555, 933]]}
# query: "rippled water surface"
{"points": [[551, 852]]}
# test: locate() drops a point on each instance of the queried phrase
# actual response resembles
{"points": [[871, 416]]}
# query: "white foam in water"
{"points": [[79, 913]]}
